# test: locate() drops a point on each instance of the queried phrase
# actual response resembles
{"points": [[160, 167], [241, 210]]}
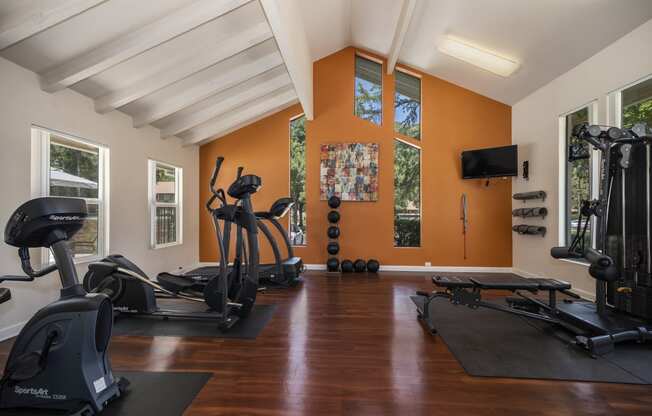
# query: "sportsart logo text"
{"points": [[64, 217], [31, 391], [40, 393]]}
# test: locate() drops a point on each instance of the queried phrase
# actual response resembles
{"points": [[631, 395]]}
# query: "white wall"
{"points": [[535, 128], [22, 104]]}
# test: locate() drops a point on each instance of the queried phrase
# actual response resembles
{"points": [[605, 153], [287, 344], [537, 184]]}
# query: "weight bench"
{"points": [[467, 291]]}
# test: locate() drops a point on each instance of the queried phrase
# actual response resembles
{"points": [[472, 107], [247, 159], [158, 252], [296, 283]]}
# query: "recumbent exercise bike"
{"points": [[59, 360]]}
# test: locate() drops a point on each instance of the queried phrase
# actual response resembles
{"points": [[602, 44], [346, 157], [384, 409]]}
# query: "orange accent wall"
{"points": [[453, 119]]}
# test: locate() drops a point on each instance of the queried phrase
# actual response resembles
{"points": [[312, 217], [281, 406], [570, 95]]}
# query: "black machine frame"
{"points": [[598, 326]]}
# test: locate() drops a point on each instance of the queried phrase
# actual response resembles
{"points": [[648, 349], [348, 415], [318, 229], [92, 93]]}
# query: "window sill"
{"points": [[576, 262], [160, 246]]}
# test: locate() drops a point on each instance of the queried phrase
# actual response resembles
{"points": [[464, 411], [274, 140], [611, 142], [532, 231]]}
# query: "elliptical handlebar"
{"points": [[216, 171]]}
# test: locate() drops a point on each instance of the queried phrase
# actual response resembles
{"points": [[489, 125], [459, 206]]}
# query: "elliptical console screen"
{"points": [[490, 163]]}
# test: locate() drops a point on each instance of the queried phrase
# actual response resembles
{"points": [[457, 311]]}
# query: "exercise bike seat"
{"points": [[504, 283], [452, 281]]}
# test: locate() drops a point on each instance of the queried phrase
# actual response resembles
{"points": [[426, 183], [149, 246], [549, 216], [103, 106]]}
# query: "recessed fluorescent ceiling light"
{"points": [[479, 57]]}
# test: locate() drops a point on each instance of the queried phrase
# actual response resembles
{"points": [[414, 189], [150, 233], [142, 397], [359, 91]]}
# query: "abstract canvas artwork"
{"points": [[349, 171]]}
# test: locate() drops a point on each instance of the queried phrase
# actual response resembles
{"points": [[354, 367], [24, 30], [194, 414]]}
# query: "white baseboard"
{"points": [[426, 269], [11, 331]]}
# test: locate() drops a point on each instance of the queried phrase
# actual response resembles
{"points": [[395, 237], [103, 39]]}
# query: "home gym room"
{"points": [[326, 207]]}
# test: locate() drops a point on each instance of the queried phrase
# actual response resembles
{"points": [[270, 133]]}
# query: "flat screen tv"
{"points": [[490, 163]]}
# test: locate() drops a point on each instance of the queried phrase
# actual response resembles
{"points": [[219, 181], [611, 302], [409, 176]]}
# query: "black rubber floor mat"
{"points": [[143, 325], [490, 343], [149, 393]]}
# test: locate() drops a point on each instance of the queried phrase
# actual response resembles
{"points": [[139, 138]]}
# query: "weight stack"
{"points": [[333, 232]]}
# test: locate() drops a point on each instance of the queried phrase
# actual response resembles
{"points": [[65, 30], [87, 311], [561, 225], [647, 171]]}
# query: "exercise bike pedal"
{"points": [[123, 384]]}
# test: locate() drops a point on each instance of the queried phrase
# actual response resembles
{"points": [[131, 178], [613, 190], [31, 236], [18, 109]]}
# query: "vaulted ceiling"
{"points": [[198, 69]]}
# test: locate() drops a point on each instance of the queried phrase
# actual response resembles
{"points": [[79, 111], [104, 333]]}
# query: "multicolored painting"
{"points": [[350, 171]]}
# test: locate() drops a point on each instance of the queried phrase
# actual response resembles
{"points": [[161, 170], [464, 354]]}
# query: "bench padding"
{"points": [[499, 283]]}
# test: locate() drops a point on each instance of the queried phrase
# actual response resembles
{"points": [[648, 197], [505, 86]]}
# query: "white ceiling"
{"points": [[187, 67], [198, 69], [548, 37]]}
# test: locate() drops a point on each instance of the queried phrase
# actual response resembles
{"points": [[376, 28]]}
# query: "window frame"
{"points": [[418, 147], [594, 163], [42, 136], [382, 86], [289, 230], [153, 204], [415, 75]]}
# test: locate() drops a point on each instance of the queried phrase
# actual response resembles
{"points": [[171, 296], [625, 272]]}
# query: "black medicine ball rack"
{"points": [[534, 212], [333, 247], [333, 264]]}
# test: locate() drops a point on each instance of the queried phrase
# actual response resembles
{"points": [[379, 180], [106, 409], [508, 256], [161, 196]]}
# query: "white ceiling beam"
{"points": [[285, 20], [134, 43], [231, 100], [202, 90], [407, 10], [21, 26], [213, 54], [241, 117]]}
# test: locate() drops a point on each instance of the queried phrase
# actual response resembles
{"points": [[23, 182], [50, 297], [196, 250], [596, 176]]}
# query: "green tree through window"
{"points": [[407, 195], [407, 105], [637, 104], [298, 234], [578, 175], [368, 90]]}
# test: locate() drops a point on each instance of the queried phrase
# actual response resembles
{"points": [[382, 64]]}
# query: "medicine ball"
{"points": [[360, 266], [347, 266], [333, 231], [333, 217], [333, 264], [334, 201], [333, 247], [373, 265]]}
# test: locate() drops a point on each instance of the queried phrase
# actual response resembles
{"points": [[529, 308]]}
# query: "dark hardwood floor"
{"points": [[353, 346]]}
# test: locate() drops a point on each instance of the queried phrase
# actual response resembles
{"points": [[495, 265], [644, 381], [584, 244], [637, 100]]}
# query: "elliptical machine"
{"points": [[133, 293], [283, 272], [59, 360]]}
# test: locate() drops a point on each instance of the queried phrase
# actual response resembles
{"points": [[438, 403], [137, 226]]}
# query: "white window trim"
{"points": [[41, 186], [416, 146], [152, 204], [592, 107]]}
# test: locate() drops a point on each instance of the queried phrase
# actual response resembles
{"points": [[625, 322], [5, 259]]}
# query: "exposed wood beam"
{"points": [[241, 117], [127, 46], [202, 90], [14, 29], [232, 98], [217, 52], [287, 25], [407, 10]]}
